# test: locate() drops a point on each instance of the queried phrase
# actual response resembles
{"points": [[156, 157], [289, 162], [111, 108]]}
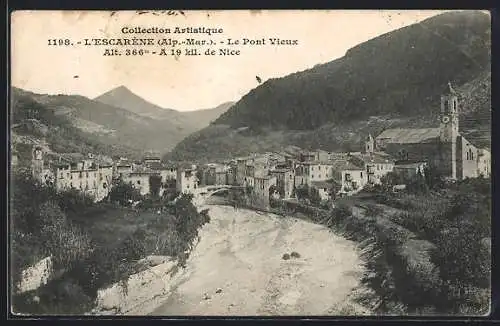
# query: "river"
{"points": [[237, 269]]}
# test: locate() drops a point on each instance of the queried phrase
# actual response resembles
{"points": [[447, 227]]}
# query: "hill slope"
{"points": [[34, 122], [107, 124], [190, 121], [395, 79]]}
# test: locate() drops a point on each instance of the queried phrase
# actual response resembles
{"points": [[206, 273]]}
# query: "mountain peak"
{"points": [[121, 90]]}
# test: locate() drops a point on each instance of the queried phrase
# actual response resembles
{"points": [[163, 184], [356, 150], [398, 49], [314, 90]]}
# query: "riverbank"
{"points": [[238, 269]]}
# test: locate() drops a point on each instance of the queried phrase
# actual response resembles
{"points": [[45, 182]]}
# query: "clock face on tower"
{"points": [[445, 119]]}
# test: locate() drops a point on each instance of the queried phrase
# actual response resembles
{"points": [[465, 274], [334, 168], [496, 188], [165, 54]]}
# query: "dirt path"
{"points": [[240, 253]]}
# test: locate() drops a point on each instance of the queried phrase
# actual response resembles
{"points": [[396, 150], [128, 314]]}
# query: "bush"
{"points": [[59, 297], [286, 257], [295, 254], [373, 210], [123, 193]]}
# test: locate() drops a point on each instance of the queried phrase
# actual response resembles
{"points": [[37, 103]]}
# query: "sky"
{"points": [[187, 82]]}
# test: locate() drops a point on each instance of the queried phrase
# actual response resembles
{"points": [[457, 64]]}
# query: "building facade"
{"points": [[262, 189], [187, 181], [443, 148], [285, 181]]}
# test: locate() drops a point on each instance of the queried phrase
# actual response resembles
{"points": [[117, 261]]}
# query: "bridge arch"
{"points": [[203, 195]]}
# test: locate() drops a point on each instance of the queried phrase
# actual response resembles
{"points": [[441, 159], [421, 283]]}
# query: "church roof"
{"points": [[410, 136]]}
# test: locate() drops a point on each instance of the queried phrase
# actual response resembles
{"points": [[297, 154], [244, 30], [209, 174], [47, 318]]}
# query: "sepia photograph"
{"points": [[250, 163]]}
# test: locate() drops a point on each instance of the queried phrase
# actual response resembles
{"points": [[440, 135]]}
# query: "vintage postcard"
{"points": [[250, 163]]}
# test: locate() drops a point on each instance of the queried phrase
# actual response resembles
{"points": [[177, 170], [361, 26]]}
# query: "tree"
{"points": [[302, 192], [314, 196], [123, 192], [418, 184], [155, 185], [334, 189], [433, 177]]}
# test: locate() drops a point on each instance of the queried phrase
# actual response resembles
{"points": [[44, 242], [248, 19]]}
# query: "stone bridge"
{"points": [[202, 193]]}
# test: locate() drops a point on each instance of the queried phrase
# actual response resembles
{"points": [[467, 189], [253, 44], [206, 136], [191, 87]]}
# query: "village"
{"points": [[406, 153]]}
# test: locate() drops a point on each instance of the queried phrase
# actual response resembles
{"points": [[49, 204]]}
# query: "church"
{"points": [[443, 148]]}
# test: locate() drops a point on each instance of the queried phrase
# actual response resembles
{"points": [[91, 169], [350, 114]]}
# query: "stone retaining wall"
{"points": [[138, 294], [37, 275]]}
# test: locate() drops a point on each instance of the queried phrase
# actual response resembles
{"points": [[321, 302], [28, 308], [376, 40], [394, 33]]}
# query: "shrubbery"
{"points": [[433, 257], [457, 220], [41, 227]]}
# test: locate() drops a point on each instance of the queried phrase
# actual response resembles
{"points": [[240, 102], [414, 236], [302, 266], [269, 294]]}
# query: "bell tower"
{"points": [[449, 131], [369, 144], [449, 115]]}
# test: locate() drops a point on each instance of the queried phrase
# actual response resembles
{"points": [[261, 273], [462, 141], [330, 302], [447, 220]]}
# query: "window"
{"points": [[87, 174], [138, 182], [312, 176], [80, 175], [467, 155], [361, 174]]}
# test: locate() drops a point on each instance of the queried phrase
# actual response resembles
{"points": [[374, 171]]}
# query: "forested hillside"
{"points": [[394, 80], [400, 72]]}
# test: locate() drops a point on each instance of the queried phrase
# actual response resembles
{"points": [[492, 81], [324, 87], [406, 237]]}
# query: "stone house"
{"points": [[186, 181], [285, 181], [324, 188], [261, 189], [409, 170], [376, 164], [309, 171], [89, 177], [140, 181], [122, 170], [350, 177]]}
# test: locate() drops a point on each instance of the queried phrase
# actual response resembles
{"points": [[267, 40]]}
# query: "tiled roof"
{"points": [[265, 177], [409, 165], [409, 136], [281, 170], [376, 157], [343, 165]]}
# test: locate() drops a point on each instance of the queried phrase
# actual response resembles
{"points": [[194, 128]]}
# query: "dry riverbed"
{"points": [[238, 269]]}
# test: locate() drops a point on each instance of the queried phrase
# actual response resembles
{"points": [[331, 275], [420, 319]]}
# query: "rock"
{"points": [[219, 290], [206, 296], [295, 254], [286, 257]]}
